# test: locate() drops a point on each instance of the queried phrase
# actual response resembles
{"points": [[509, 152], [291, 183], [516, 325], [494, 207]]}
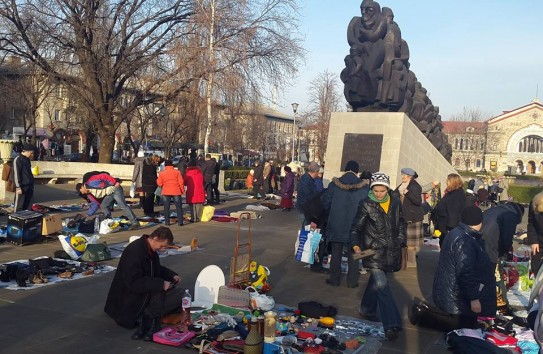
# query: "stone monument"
{"points": [[377, 76]]}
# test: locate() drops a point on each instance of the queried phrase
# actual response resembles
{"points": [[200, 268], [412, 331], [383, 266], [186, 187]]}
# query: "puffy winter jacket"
{"points": [[194, 180], [464, 273], [382, 232], [499, 226], [171, 181], [340, 200]]}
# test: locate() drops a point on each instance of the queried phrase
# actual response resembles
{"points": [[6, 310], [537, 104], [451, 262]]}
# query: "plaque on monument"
{"points": [[364, 149]]}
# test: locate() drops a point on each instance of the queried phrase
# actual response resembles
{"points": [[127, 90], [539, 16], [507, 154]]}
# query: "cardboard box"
{"points": [[51, 224], [24, 227]]}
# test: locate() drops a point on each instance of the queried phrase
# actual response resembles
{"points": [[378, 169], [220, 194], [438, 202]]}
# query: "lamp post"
{"points": [[295, 110]]}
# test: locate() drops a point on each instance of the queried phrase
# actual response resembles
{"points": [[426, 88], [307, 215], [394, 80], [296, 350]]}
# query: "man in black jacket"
{"points": [[23, 178], [143, 290], [208, 170]]}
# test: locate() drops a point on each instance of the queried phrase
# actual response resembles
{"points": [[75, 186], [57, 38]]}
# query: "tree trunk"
{"points": [[107, 143]]}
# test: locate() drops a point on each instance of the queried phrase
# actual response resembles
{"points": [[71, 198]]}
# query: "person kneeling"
{"points": [[142, 290], [464, 282]]}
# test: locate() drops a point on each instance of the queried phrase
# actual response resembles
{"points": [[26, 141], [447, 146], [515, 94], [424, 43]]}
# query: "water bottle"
{"points": [[186, 302], [96, 225]]}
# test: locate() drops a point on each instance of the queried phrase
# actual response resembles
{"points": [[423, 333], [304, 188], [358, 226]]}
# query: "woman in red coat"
{"points": [[173, 186], [194, 180]]}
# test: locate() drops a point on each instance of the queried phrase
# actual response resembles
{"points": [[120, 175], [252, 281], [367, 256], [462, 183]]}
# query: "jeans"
{"points": [[378, 297], [118, 197], [178, 208]]}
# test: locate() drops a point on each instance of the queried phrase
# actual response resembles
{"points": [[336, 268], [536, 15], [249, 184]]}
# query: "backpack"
{"points": [[88, 175]]}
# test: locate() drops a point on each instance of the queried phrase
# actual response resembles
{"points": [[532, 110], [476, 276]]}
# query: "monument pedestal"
{"points": [[387, 142]]}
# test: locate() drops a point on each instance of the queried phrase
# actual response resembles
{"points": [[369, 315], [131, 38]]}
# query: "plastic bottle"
{"points": [[96, 225], [186, 302], [269, 326]]}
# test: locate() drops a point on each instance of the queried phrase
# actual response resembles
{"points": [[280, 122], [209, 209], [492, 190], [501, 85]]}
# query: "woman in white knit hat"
{"points": [[379, 226]]}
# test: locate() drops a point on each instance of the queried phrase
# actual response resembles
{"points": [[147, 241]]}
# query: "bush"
{"points": [[236, 172], [523, 194]]}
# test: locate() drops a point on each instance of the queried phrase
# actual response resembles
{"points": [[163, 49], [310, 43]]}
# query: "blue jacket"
{"points": [[464, 273], [340, 200], [307, 190], [499, 226]]}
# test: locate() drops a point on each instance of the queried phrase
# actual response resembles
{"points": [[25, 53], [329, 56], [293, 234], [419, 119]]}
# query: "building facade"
{"points": [[511, 142]]}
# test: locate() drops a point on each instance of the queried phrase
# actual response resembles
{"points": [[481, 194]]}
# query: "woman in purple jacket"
{"points": [[287, 189]]}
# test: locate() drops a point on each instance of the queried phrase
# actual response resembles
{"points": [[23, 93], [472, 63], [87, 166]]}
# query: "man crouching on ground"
{"points": [[142, 290]]}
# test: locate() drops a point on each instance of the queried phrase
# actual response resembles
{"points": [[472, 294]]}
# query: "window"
{"points": [[478, 163], [58, 90], [456, 144], [12, 114], [57, 115]]}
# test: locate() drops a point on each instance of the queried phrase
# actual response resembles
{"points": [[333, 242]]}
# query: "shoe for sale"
{"points": [[66, 275]]}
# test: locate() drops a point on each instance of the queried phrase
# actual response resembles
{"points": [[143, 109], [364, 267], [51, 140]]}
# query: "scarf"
{"points": [[385, 203]]}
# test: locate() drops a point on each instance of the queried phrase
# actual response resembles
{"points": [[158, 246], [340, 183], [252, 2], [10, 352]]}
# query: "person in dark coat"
{"points": [[379, 225], [287, 189], [340, 200], [143, 290], [464, 283], [446, 214], [148, 183], [216, 173], [208, 169], [182, 165], [23, 178], [471, 199], [410, 194], [258, 181], [499, 227], [311, 210], [535, 231]]}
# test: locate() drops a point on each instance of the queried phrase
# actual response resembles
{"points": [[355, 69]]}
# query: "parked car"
{"points": [[73, 157]]}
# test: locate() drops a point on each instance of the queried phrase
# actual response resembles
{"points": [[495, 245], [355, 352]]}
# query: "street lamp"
{"points": [[295, 110]]}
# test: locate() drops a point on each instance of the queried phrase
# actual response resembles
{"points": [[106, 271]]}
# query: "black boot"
{"points": [[153, 328], [143, 327]]}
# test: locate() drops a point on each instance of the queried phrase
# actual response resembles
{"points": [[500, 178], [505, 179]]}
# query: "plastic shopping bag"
{"points": [[133, 190], [307, 245]]}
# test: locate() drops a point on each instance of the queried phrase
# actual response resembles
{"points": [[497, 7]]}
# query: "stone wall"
{"points": [[403, 146]]}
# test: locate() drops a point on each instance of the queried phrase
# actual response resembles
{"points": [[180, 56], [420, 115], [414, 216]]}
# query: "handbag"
{"points": [[234, 297], [207, 213], [158, 191], [96, 252], [307, 244], [316, 310], [133, 190]]}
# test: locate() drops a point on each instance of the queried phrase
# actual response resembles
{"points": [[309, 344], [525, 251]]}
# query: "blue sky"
{"points": [[476, 54]]}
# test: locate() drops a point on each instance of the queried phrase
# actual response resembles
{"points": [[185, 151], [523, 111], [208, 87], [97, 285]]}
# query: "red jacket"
{"points": [[195, 185], [171, 181]]}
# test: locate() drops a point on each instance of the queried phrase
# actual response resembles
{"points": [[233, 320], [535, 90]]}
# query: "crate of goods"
{"points": [[24, 227]]}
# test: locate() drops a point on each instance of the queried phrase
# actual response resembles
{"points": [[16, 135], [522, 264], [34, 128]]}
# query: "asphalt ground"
{"points": [[68, 317]]}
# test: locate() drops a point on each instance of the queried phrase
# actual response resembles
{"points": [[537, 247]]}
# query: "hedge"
{"points": [[523, 194], [236, 173]]}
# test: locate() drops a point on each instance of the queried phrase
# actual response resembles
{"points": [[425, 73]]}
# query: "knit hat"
{"points": [[28, 147], [352, 166], [365, 175], [409, 172], [141, 153], [472, 216], [380, 179]]}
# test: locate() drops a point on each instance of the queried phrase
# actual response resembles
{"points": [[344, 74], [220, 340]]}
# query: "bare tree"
{"points": [[97, 49], [470, 114], [325, 97], [255, 41]]}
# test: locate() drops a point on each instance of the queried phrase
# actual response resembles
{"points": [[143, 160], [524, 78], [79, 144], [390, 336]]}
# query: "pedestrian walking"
{"points": [[379, 225], [287, 189]]}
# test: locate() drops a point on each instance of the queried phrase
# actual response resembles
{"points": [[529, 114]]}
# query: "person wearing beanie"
{"points": [[23, 178], [410, 193], [379, 226], [499, 226], [446, 213], [340, 201], [464, 284]]}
